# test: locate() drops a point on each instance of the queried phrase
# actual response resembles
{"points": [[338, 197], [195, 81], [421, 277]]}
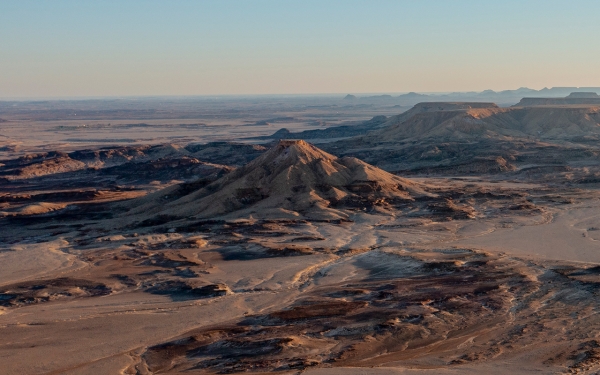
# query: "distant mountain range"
{"points": [[502, 98]]}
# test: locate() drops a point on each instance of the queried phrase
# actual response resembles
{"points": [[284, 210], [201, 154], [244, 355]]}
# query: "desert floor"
{"points": [[513, 287]]}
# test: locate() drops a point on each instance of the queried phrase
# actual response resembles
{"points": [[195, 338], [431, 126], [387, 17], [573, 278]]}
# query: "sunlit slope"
{"points": [[292, 179]]}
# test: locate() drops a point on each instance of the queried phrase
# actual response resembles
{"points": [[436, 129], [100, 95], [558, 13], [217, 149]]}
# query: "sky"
{"points": [[76, 48]]}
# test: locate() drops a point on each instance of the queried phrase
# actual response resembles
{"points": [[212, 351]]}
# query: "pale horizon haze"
{"points": [[66, 48]]}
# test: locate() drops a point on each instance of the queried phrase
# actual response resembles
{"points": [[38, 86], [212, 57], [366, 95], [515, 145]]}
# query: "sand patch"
{"points": [[30, 261], [40, 208], [563, 238]]}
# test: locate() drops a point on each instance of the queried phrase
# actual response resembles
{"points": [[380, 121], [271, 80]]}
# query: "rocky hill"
{"points": [[293, 179]]}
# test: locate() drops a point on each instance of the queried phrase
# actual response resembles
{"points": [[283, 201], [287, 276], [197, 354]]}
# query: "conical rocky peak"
{"points": [[295, 178], [292, 151]]}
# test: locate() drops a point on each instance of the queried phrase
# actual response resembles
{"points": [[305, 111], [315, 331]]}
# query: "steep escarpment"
{"points": [[539, 122], [429, 107], [574, 98], [482, 140]]}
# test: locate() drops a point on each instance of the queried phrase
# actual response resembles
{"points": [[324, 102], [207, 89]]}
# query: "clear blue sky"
{"points": [[116, 48]]}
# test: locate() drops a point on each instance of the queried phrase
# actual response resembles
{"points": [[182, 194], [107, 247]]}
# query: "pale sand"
{"points": [[47, 332], [22, 262], [564, 237]]}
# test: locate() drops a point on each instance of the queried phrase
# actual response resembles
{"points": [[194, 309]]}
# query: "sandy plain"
{"points": [[72, 125], [483, 274]]}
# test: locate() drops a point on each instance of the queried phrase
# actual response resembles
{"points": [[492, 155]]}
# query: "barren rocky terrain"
{"points": [[451, 238]]}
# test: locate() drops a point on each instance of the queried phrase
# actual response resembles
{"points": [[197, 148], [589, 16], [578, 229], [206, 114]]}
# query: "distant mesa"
{"points": [[574, 98], [583, 95], [435, 107], [412, 95], [523, 89], [485, 120], [505, 97], [281, 134], [294, 179], [378, 124], [464, 138], [447, 106]]}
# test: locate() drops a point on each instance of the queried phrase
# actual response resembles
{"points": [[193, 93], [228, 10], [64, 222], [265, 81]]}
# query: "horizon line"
{"points": [[220, 96]]}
